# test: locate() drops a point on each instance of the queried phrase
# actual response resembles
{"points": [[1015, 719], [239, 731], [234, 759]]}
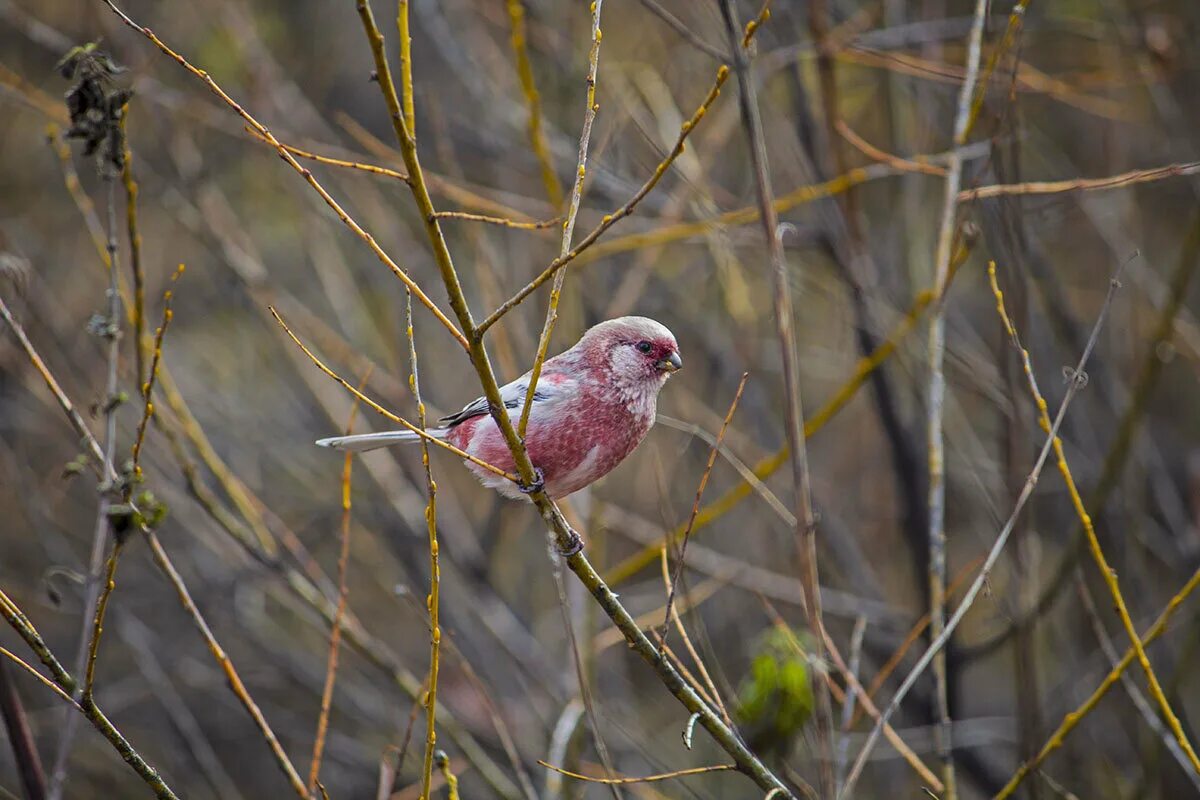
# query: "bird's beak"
{"points": [[669, 365]]}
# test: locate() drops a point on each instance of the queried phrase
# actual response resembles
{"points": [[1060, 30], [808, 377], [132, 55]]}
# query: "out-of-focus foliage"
{"points": [[776, 696]]}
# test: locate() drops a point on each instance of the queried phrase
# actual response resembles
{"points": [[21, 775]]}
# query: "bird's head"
{"points": [[637, 353]]}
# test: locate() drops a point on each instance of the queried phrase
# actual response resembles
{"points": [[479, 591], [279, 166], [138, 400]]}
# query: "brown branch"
{"points": [[1081, 184], [708, 467], [806, 524], [335, 630], [504, 222], [665, 776]]}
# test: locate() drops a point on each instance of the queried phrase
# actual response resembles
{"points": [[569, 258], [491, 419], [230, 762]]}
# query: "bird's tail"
{"points": [[361, 442]]}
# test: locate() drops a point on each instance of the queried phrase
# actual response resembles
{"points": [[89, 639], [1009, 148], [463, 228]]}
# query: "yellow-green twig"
{"points": [[585, 136], [1106, 572], [537, 137], [421, 432]]}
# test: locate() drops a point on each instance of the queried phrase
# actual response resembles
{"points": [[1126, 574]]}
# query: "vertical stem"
{"points": [[435, 631], [537, 137], [112, 333], [936, 404], [805, 520], [589, 116], [25, 753], [410, 114]]}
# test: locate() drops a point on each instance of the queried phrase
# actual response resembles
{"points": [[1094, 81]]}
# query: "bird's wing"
{"points": [[549, 389]]}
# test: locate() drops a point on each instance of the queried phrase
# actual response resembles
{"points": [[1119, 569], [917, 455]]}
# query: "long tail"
{"points": [[361, 442]]}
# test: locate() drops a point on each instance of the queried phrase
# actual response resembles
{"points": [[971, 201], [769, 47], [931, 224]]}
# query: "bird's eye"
{"points": [[643, 347]]}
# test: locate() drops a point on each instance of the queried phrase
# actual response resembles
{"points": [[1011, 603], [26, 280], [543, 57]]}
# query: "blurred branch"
{"points": [[585, 137], [24, 628], [769, 465], [335, 630], [806, 523], [1081, 184], [666, 776], [708, 467], [291, 161], [1076, 382], [16, 724], [1131, 689], [683, 30], [611, 219], [874, 153], [501, 221], [935, 406], [109, 329], [1106, 572], [537, 137], [420, 432], [799, 196]]}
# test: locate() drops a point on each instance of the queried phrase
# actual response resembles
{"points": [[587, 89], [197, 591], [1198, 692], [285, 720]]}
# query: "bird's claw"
{"points": [[575, 544], [539, 482]]}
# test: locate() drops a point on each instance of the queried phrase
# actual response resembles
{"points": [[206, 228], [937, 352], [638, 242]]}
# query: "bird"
{"points": [[592, 406]]}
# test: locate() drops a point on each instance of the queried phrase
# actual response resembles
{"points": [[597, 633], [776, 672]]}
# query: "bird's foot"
{"points": [[574, 544], [539, 482]]}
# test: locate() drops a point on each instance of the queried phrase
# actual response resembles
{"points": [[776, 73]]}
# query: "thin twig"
{"points": [[585, 136], [935, 402], [1106, 572], [24, 628], [1131, 689], [335, 630], [1080, 184], [1073, 386], [110, 329], [264, 133], [665, 776], [537, 137], [611, 219], [503, 222], [708, 467], [150, 377], [794, 409], [712, 694], [16, 725], [308, 155], [421, 432], [93, 648], [42, 679]]}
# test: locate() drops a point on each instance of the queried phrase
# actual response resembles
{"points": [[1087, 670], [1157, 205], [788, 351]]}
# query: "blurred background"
{"points": [[1087, 89]]}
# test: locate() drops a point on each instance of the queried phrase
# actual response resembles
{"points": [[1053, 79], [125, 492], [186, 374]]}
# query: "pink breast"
{"points": [[582, 445]]}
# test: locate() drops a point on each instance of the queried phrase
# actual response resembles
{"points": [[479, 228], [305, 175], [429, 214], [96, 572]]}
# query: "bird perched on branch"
{"points": [[592, 405]]}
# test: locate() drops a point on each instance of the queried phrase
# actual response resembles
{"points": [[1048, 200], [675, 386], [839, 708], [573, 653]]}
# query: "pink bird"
{"points": [[592, 405]]}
